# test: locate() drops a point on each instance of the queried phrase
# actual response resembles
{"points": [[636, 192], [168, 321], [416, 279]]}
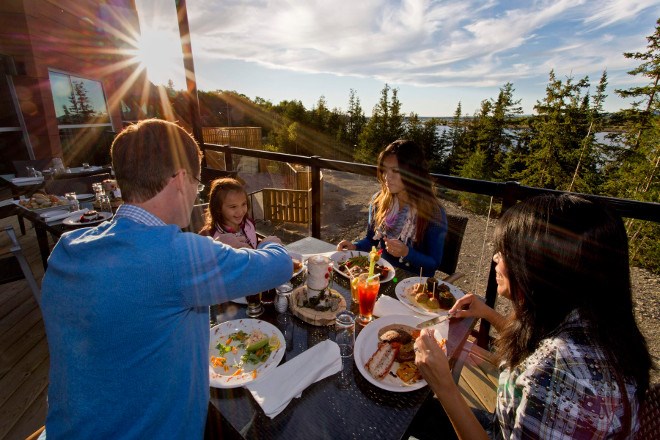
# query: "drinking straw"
{"points": [[372, 277]]}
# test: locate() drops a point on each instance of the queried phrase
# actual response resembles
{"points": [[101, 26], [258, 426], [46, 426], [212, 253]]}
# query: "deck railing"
{"points": [[508, 192]]}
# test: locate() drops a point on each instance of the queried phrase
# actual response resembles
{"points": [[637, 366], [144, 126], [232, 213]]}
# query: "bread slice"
{"points": [[381, 361]]}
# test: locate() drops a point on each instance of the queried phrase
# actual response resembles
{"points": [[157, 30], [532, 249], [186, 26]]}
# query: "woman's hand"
{"points": [[271, 239], [232, 240], [346, 245], [472, 306], [432, 361], [395, 248]]}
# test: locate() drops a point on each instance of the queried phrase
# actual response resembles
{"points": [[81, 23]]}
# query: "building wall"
{"points": [[78, 37]]}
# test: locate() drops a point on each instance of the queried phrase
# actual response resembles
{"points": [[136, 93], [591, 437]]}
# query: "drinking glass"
{"points": [[254, 306], [98, 192], [282, 299], [85, 165], [345, 333], [268, 296], [104, 204], [31, 172], [73, 201], [367, 293]]}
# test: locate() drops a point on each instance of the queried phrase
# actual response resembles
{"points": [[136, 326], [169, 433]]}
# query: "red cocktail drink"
{"points": [[367, 293]]}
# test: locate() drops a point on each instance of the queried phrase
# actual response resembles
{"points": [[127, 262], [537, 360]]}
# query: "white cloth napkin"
{"points": [[52, 216], [386, 305], [274, 391]]}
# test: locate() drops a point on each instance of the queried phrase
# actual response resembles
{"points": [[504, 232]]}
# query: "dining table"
{"points": [[43, 227], [344, 405]]}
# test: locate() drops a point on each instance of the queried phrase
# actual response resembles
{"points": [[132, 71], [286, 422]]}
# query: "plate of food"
{"points": [[40, 202], [243, 351], [347, 263], [87, 218], [298, 263], [427, 295], [384, 353]]}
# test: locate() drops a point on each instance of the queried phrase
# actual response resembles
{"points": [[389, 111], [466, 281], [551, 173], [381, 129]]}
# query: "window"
{"points": [[79, 102]]}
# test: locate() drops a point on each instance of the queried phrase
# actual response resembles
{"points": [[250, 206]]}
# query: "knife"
{"points": [[433, 321]]}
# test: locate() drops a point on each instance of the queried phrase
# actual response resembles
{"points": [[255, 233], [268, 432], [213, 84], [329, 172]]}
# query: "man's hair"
{"points": [[145, 155]]}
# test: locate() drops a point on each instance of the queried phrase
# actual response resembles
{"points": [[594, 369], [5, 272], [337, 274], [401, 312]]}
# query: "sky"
{"points": [[435, 53]]}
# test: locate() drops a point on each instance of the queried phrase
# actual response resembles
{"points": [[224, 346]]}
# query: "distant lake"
{"points": [[600, 136]]}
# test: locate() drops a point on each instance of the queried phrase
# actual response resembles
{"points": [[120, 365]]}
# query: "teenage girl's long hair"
{"points": [[563, 253], [417, 181]]}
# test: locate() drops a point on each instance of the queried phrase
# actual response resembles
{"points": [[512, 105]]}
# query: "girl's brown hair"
{"points": [[217, 194], [416, 180]]}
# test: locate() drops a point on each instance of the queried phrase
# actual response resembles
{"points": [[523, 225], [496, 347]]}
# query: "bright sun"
{"points": [[159, 52]]}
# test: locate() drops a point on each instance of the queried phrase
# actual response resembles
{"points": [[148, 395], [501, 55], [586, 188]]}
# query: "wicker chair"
{"points": [[649, 415]]}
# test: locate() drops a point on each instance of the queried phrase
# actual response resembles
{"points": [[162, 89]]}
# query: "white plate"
{"points": [[85, 197], [299, 257], [218, 377], [240, 300], [404, 285], [46, 209], [366, 345], [341, 256], [74, 220]]}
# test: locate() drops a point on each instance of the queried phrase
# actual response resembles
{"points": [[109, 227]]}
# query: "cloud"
{"points": [[422, 42], [613, 11]]}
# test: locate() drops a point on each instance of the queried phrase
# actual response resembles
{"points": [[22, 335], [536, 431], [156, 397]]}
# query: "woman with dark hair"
{"points": [[573, 361], [406, 220]]}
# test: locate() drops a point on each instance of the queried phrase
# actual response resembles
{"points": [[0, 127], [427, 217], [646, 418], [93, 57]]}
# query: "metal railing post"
{"points": [[316, 197]]}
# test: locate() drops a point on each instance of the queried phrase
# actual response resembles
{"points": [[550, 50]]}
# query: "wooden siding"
{"points": [[245, 137]]}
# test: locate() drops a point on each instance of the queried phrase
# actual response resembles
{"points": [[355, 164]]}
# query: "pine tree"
{"points": [[634, 169], [384, 127]]}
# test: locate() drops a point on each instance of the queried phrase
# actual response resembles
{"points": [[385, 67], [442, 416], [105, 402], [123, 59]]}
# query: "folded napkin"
{"points": [[26, 180], [52, 216], [274, 391], [386, 305]]}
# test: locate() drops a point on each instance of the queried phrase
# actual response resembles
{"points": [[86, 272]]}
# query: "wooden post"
{"points": [[191, 81], [316, 197]]}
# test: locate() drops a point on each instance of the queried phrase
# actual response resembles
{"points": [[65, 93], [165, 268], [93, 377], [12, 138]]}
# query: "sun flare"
{"points": [[159, 52]]}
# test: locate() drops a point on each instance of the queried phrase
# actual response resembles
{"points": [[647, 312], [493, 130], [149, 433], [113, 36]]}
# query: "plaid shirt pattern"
{"points": [[565, 389], [138, 215]]}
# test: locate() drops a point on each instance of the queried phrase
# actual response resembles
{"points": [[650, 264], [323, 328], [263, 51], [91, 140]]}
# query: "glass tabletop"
{"points": [[344, 405]]}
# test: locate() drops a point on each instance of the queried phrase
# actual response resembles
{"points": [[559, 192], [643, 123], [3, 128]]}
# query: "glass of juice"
{"points": [[367, 293]]}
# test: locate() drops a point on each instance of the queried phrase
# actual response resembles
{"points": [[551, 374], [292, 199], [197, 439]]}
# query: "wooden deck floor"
{"points": [[24, 356]]}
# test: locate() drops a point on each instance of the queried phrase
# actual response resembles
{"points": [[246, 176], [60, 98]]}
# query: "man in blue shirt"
{"points": [[126, 303]]}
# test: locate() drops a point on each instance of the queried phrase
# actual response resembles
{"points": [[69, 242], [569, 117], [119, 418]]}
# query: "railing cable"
{"points": [[477, 275]]}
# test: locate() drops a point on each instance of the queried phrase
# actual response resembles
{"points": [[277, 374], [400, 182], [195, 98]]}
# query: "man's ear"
{"points": [[179, 179]]}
